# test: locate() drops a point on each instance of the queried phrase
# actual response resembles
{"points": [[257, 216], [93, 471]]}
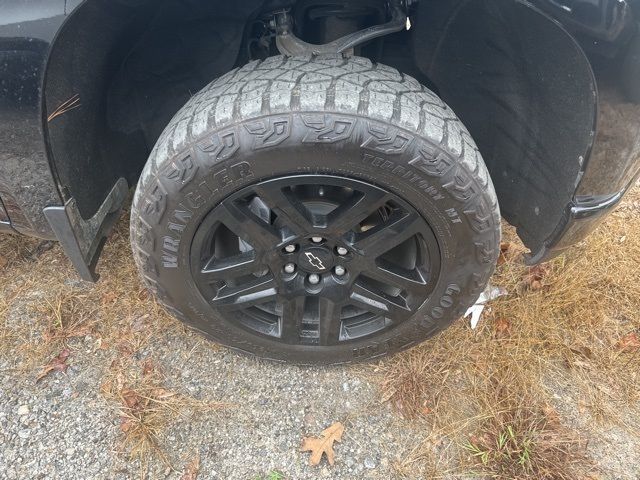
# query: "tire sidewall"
{"points": [[170, 205]]}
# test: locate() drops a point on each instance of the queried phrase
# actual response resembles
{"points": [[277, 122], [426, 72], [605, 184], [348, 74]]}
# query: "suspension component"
{"points": [[290, 45]]}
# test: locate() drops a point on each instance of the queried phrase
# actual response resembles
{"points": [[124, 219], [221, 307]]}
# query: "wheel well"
{"points": [[132, 64], [129, 66]]}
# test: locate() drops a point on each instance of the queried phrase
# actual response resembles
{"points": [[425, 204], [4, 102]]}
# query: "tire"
{"points": [[344, 128], [631, 70]]}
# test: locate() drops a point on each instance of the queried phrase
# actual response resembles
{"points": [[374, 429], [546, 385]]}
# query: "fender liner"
{"points": [[527, 93]]}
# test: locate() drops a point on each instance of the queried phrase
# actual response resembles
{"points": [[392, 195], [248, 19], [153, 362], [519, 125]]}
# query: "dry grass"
{"points": [[16, 260], [486, 395], [55, 307], [520, 437], [67, 316], [146, 407], [45, 310]]}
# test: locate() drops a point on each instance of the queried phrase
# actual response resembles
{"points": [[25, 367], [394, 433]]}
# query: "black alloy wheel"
{"points": [[316, 210], [315, 260]]}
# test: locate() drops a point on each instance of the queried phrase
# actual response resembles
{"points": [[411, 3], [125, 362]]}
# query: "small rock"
{"points": [[23, 434], [370, 463], [23, 410]]}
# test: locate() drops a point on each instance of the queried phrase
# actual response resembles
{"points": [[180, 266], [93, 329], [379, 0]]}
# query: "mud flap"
{"points": [[82, 240]]}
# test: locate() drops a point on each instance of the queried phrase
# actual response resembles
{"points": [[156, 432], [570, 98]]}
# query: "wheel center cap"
{"points": [[315, 259]]}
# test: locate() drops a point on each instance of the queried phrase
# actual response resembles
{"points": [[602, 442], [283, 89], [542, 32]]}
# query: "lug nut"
{"points": [[342, 251], [289, 268], [314, 279], [316, 239], [290, 248], [340, 270]]}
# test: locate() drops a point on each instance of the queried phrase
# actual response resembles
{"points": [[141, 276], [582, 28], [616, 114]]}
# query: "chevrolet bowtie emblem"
{"points": [[315, 261]]}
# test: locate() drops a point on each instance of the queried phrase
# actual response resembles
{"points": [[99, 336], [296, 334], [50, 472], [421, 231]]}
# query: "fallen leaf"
{"points": [[552, 416], [503, 327], [533, 280], [426, 410], [56, 364], [324, 444], [3, 261], [131, 399], [125, 424], [629, 343], [109, 297], [192, 469], [535, 285]]}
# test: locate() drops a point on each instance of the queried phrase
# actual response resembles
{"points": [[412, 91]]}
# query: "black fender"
{"points": [[526, 91], [109, 66]]}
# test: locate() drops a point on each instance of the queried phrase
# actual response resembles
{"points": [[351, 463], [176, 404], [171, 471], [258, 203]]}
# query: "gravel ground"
{"points": [[611, 447], [61, 427]]}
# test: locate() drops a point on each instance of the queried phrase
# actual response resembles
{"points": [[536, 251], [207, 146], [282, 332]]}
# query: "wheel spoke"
{"points": [[412, 281], [351, 213], [330, 321], [260, 290], [291, 320], [248, 226], [378, 304], [232, 267], [384, 237], [293, 213]]}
